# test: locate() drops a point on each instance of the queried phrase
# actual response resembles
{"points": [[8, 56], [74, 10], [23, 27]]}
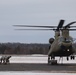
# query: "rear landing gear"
{"points": [[52, 61]]}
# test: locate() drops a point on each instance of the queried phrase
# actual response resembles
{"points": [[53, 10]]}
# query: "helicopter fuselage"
{"points": [[62, 47]]}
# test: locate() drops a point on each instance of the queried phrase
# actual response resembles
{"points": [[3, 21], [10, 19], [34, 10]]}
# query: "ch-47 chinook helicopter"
{"points": [[62, 44]]}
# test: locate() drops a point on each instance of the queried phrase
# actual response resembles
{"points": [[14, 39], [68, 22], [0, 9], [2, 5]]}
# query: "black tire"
{"points": [[67, 58]]}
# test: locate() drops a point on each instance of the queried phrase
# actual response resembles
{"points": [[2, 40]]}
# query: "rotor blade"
{"points": [[60, 25], [35, 26], [72, 26], [68, 25], [34, 29], [68, 29], [72, 29]]}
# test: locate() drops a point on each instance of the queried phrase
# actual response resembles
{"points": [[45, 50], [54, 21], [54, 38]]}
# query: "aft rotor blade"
{"points": [[68, 25], [35, 26], [60, 25], [36, 29]]}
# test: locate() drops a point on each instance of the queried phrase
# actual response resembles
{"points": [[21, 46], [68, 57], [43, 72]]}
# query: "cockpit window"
{"points": [[62, 39]]}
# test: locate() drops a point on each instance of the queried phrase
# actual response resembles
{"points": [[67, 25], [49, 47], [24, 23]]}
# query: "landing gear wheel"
{"points": [[72, 57], [67, 58]]}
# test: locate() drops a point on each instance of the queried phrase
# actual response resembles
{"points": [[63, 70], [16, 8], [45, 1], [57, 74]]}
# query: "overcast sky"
{"points": [[39, 12]]}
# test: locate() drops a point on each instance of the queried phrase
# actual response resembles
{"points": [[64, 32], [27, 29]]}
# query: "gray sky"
{"points": [[39, 12]]}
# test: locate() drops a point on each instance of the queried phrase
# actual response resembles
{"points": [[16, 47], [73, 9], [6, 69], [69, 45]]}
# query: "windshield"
{"points": [[62, 39]]}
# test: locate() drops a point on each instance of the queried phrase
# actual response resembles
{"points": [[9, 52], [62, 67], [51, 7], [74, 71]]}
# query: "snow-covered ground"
{"points": [[33, 59], [29, 59], [31, 73], [36, 59]]}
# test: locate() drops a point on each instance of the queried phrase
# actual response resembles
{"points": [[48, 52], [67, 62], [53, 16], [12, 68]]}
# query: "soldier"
{"points": [[5, 59]]}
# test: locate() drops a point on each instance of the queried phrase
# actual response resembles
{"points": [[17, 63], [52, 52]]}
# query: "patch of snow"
{"points": [[32, 73], [36, 59]]}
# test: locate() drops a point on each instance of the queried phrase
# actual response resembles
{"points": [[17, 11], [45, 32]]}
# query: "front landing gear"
{"points": [[52, 61], [72, 57]]}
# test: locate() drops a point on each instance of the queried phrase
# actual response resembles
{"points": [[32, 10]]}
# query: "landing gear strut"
{"points": [[52, 61], [67, 58], [71, 57]]}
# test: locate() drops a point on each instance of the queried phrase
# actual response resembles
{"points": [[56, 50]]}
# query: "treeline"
{"points": [[21, 48]]}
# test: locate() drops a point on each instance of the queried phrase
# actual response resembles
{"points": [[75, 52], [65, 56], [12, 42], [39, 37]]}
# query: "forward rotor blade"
{"points": [[35, 26], [72, 29], [68, 29], [60, 25], [72, 26], [35, 29]]}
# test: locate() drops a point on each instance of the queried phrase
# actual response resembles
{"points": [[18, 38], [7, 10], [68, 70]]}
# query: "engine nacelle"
{"points": [[51, 40]]}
